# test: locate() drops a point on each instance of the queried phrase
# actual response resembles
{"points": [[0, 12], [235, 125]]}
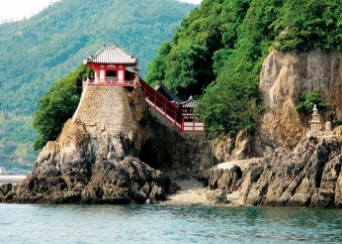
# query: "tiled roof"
{"points": [[111, 55], [190, 103], [160, 88]]}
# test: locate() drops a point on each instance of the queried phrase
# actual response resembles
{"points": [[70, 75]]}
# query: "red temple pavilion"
{"points": [[110, 66]]}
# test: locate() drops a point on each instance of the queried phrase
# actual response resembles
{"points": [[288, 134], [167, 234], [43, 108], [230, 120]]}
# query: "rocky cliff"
{"points": [[292, 170], [308, 176], [166, 148], [283, 79], [95, 158]]}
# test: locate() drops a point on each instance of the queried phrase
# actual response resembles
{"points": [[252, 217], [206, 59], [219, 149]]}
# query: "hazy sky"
{"points": [[17, 9]]}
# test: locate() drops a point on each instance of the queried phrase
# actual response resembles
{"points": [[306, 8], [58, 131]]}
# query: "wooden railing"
{"points": [[169, 111], [158, 103], [161, 105], [193, 126], [109, 82]]}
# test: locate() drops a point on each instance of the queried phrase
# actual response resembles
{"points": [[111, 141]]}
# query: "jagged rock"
{"points": [[166, 148], [239, 148], [114, 177], [295, 170], [324, 196], [283, 79], [244, 147], [307, 176], [157, 193], [228, 179], [338, 192], [217, 196], [174, 187], [4, 190], [95, 164], [224, 149]]}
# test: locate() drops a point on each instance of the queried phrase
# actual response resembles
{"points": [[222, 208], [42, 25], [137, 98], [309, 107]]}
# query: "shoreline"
{"points": [[193, 193], [12, 178]]}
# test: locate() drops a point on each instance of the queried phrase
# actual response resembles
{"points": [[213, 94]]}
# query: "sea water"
{"points": [[167, 224]]}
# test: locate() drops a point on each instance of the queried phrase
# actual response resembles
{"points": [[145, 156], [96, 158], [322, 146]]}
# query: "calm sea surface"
{"points": [[162, 224]]}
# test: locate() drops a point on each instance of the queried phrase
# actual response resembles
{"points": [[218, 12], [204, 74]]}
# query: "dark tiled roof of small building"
{"points": [[190, 103], [160, 88], [111, 55]]}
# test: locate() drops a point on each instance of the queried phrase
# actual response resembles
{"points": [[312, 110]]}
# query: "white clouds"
{"points": [[17, 9], [192, 1]]}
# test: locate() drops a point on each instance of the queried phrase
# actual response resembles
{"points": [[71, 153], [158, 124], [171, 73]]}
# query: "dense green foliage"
{"points": [[217, 53], [308, 100], [38, 51], [58, 105], [309, 24]]}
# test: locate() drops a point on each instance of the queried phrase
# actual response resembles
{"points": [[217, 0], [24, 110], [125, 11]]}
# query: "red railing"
{"points": [[169, 111], [126, 83], [162, 105], [194, 126]]}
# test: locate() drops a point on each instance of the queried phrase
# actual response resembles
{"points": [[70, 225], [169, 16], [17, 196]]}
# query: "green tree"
{"points": [[188, 70], [36, 52], [309, 99], [158, 67], [187, 67], [310, 24], [57, 106], [218, 52]]}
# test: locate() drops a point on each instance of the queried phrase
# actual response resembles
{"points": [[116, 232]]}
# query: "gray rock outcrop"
{"points": [[307, 176], [95, 158], [89, 169], [283, 79]]}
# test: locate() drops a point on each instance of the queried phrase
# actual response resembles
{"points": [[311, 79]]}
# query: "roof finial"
{"points": [[104, 45], [116, 45]]}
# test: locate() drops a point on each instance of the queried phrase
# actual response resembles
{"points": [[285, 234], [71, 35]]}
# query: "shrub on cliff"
{"points": [[218, 51], [57, 106], [309, 99]]}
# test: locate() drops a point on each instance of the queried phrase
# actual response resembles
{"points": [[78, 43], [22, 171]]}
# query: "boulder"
{"points": [[307, 176], [89, 163], [218, 196]]}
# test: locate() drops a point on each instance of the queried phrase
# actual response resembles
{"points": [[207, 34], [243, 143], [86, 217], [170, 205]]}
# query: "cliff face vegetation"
{"points": [[229, 41], [36, 52], [92, 160], [260, 58], [248, 62], [283, 79], [96, 157]]}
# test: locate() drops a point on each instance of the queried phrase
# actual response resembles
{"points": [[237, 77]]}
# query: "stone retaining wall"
{"points": [[199, 150], [106, 108]]}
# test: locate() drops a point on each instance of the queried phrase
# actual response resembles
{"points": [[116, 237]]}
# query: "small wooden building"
{"points": [[189, 120], [113, 67], [110, 65]]}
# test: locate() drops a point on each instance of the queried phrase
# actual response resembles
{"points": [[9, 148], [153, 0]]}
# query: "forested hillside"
{"points": [[36, 52], [218, 51]]}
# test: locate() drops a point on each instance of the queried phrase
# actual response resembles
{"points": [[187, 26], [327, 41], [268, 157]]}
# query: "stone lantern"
{"points": [[328, 131], [314, 123]]}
